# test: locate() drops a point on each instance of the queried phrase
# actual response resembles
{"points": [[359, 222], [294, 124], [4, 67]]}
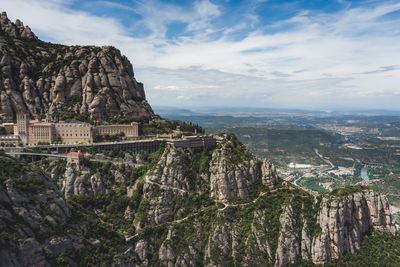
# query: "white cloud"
{"points": [[315, 60]]}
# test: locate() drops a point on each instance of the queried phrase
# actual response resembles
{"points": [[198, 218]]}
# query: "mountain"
{"points": [[181, 208], [237, 212], [173, 207], [65, 82]]}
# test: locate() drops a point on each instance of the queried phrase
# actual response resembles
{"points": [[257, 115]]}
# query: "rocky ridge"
{"points": [[278, 225], [217, 208], [237, 175], [39, 227], [24, 217], [65, 82], [177, 214], [346, 221]]}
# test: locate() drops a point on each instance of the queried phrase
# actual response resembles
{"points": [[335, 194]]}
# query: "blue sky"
{"points": [[311, 54]]}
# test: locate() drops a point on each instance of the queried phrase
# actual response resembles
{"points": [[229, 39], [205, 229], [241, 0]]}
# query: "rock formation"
{"points": [[65, 82], [346, 221], [168, 186], [38, 227], [269, 175], [173, 216], [256, 226], [179, 208], [82, 182], [30, 206], [236, 174], [17, 29]]}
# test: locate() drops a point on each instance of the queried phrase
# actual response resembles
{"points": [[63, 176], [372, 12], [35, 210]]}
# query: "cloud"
{"points": [[383, 69], [311, 59]]}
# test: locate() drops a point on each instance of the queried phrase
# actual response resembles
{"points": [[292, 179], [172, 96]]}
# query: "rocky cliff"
{"points": [[244, 216], [65, 82], [237, 175], [38, 227], [175, 207], [216, 208], [24, 219], [345, 221]]}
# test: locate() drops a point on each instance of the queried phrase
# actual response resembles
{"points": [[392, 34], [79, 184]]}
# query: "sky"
{"points": [[306, 54]]}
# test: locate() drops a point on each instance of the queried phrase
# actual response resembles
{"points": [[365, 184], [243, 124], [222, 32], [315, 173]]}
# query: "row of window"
{"points": [[62, 134], [46, 133]]}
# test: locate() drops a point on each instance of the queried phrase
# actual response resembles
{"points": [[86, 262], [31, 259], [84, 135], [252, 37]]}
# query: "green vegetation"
{"points": [[284, 145], [345, 191], [32, 186], [42, 143], [153, 157], [68, 114], [11, 168], [379, 249], [3, 130], [162, 126], [236, 152], [117, 120], [203, 160], [387, 181], [97, 229], [109, 138], [313, 183], [110, 209]]}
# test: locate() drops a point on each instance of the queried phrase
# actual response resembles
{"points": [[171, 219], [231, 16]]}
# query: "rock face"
{"points": [[176, 216], [269, 175], [38, 227], [345, 223], [232, 181], [17, 29], [30, 206], [168, 186], [236, 175], [62, 82], [262, 222], [288, 246], [73, 182]]}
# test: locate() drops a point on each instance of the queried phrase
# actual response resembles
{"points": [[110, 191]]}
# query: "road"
{"points": [[36, 154], [324, 159], [332, 166], [298, 179], [167, 186]]}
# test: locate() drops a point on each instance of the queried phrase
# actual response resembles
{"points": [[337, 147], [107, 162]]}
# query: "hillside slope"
{"points": [[216, 208], [238, 213]]}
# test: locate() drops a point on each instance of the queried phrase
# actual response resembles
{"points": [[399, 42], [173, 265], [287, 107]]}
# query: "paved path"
{"points": [[167, 186], [36, 154]]}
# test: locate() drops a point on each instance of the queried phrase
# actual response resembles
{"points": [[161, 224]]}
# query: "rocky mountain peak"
{"points": [[236, 174], [65, 82], [15, 30]]}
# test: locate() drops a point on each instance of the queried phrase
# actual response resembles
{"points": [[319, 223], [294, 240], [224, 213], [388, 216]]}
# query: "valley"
{"points": [[317, 151], [92, 175]]}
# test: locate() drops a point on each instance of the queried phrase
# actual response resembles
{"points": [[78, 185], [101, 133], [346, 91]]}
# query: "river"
{"points": [[364, 173]]}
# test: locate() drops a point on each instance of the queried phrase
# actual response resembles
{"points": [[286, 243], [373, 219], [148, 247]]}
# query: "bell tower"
{"points": [[22, 126]]}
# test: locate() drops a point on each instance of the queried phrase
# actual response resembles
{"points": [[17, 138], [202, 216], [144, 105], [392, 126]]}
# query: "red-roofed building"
{"points": [[74, 159]]}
